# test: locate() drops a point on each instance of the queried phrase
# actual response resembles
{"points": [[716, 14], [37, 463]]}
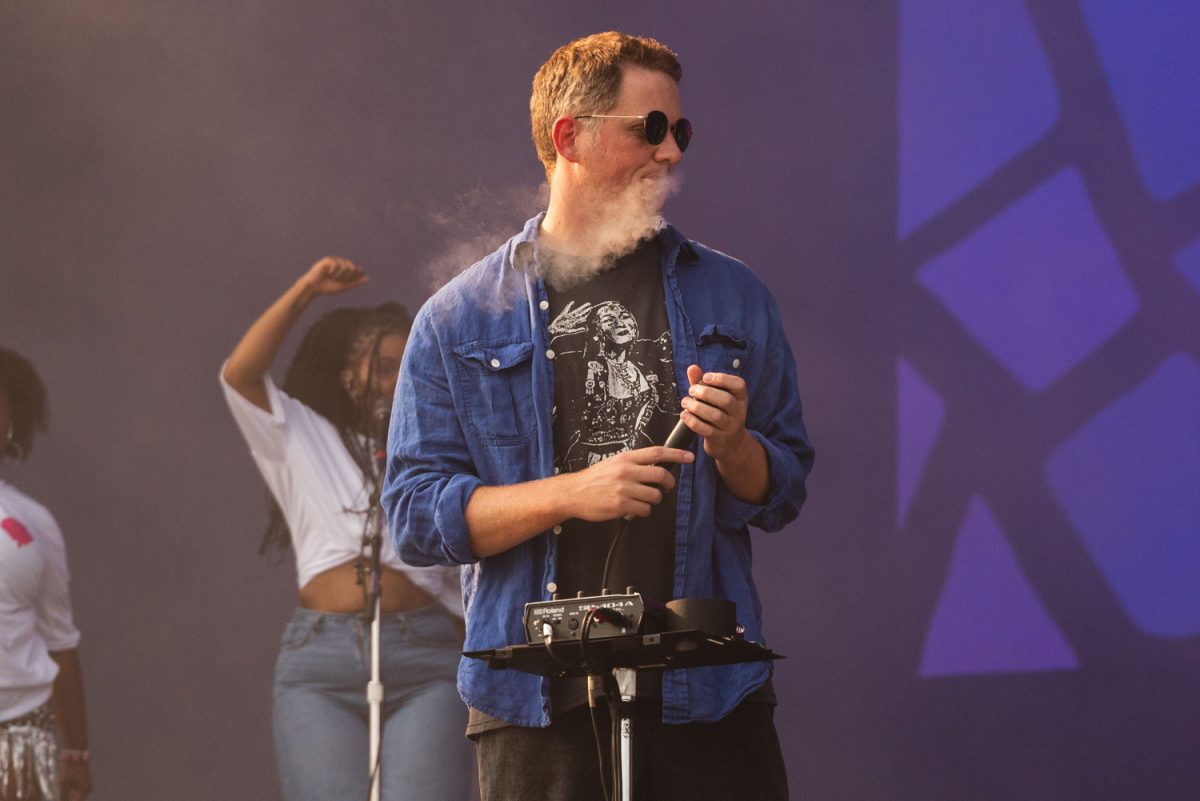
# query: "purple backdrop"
{"points": [[982, 220]]}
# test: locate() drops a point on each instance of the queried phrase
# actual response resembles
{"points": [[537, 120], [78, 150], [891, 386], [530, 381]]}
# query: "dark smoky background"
{"points": [[170, 167]]}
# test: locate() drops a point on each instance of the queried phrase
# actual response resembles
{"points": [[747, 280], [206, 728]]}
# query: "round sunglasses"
{"points": [[655, 126]]}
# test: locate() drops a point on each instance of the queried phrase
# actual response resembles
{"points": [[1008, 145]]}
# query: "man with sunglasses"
{"points": [[526, 438]]}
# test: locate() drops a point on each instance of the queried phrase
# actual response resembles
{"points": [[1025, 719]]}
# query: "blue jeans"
{"points": [[321, 713]]}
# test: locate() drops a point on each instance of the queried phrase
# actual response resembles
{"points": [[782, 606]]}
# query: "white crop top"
{"points": [[320, 489], [35, 603]]}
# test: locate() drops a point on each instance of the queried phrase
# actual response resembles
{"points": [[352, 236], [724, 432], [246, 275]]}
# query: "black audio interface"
{"points": [[612, 615]]}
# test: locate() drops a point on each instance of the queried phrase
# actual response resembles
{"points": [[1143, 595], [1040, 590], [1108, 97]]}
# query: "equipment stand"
{"points": [[627, 689], [624, 655]]}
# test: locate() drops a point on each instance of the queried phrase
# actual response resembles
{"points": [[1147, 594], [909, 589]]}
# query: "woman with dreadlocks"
{"points": [[316, 442], [41, 685]]}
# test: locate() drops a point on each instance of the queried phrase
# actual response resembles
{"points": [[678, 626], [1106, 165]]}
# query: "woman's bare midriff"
{"points": [[337, 590]]}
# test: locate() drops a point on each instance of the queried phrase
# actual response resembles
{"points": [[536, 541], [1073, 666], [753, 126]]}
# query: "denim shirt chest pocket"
{"points": [[724, 349], [495, 383]]}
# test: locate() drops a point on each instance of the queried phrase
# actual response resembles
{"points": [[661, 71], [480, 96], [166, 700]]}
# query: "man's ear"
{"points": [[566, 135]]}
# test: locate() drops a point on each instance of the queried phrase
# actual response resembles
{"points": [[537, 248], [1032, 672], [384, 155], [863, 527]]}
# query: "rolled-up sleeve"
{"points": [[430, 475], [776, 419]]}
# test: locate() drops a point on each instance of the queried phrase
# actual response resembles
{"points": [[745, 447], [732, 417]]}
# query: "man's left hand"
{"points": [[716, 410]]}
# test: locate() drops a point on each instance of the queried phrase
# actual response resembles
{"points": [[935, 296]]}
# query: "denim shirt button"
{"points": [[737, 363], [549, 353], [545, 304], [552, 587], [496, 363], [557, 529]]}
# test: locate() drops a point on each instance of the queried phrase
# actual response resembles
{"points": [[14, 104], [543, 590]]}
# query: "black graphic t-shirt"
{"points": [[614, 391]]}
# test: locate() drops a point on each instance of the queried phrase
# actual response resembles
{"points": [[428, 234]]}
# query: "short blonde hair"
{"points": [[584, 77]]}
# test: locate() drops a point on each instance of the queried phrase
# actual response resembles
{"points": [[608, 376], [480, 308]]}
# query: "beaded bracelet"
{"points": [[74, 755]]}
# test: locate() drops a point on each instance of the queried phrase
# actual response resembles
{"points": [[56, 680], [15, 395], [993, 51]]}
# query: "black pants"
{"points": [[736, 758]]}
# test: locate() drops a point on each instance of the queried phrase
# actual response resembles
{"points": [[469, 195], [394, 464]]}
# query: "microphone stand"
{"points": [[372, 602], [371, 612]]}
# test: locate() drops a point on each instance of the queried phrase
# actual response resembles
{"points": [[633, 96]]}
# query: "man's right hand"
{"points": [[626, 485], [629, 484]]}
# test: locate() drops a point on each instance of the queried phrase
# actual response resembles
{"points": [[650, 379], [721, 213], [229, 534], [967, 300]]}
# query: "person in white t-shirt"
{"points": [[41, 684], [317, 441]]}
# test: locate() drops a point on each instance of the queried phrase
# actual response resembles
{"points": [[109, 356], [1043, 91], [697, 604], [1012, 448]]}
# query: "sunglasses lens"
{"points": [[683, 134], [656, 127]]}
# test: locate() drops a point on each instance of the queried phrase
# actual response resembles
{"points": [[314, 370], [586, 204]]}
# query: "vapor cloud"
{"points": [[620, 221], [481, 220], [478, 223]]}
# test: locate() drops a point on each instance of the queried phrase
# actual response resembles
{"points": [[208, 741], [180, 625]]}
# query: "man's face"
{"points": [[616, 156]]}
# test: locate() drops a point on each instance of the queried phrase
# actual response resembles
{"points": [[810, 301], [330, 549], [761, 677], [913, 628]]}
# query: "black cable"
{"points": [[368, 448], [612, 548], [614, 750], [614, 729], [599, 749], [548, 642], [585, 635], [584, 638]]}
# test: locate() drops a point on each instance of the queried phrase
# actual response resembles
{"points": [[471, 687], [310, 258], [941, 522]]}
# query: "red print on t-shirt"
{"points": [[20, 535]]}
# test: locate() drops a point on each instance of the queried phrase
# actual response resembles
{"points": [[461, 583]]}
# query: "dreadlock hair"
{"points": [[26, 395], [338, 340]]}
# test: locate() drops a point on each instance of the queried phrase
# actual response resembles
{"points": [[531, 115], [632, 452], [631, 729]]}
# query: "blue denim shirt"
{"points": [[473, 408]]}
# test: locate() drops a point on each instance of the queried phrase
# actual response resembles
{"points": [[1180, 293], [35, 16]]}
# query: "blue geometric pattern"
{"points": [[1127, 482], [965, 70], [1188, 262], [988, 617], [1151, 55], [1025, 152], [1039, 286]]}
